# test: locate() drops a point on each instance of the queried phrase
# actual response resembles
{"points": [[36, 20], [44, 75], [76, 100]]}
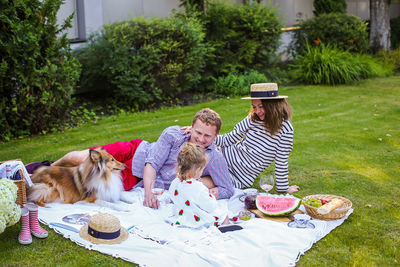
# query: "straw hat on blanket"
{"points": [[264, 91], [104, 228]]}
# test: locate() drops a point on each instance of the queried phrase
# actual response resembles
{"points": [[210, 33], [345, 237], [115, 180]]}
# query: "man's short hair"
{"points": [[208, 116]]}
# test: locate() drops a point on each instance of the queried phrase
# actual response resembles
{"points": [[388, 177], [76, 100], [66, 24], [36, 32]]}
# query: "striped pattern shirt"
{"points": [[163, 154], [249, 149]]}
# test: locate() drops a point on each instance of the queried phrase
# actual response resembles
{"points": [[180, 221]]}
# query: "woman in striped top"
{"points": [[264, 136]]}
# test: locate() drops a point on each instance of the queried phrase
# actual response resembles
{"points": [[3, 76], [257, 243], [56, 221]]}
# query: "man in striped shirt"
{"points": [[157, 160]]}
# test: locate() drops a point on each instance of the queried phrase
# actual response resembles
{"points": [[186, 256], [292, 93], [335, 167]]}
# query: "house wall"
{"points": [[99, 12]]}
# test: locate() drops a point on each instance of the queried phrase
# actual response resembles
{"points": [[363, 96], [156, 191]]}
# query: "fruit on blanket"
{"points": [[277, 205], [250, 202], [245, 215]]}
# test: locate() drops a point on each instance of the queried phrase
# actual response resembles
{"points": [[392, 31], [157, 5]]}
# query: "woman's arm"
{"points": [[281, 158], [238, 132]]}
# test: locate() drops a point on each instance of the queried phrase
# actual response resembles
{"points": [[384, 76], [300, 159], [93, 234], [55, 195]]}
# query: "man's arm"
{"points": [[157, 155], [149, 176]]}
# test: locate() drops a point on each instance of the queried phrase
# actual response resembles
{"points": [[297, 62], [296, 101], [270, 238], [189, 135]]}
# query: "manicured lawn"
{"points": [[347, 142]]}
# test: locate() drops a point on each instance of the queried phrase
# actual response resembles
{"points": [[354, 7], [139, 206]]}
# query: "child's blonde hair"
{"points": [[191, 157]]}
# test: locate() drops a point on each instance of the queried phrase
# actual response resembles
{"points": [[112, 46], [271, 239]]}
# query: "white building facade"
{"points": [[91, 15]]}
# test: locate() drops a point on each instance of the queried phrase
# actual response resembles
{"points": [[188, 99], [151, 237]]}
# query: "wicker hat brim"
{"points": [[83, 232], [272, 97]]}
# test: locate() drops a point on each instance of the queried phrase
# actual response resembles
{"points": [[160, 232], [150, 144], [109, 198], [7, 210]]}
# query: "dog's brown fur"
{"points": [[73, 184]]}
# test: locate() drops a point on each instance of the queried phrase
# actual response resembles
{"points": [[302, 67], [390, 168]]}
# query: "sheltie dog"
{"points": [[96, 180]]}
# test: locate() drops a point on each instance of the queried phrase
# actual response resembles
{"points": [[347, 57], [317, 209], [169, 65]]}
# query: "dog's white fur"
{"points": [[97, 180]]}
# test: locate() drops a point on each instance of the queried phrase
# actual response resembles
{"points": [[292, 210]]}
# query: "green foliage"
{"points": [[346, 32], [391, 57], [395, 32], [325, 65], [142, 62], [329, 6], [37, 71], [237, 33], [193, 5], [235, 84]]}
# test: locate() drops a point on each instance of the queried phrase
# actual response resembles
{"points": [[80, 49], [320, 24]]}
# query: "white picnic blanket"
{"points": [[153, 242]]}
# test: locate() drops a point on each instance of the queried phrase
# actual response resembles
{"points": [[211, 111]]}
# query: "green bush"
{"points": [[37, 70], [391, 57], [142, 62], [235, 84], [395, 32], [345, 32], [237, 33], [329, 6], [325, 65]]}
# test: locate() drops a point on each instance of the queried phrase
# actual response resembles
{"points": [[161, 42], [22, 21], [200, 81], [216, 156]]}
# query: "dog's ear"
{"points": [[94, 155]]}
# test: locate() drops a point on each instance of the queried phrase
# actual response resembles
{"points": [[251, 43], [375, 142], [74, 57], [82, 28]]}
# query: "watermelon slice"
{"points": [[277, 205]]}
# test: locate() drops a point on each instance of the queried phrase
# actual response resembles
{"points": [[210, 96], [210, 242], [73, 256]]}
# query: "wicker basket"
{"points": [[333, 215], [21, 193]]}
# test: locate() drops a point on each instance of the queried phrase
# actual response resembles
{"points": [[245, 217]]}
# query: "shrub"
{"points": [[325, 65], [395, 32], [391, 57], [345, 32], [329, 6], [37, 70], [237, 33], [235, 84], [142, 62]]}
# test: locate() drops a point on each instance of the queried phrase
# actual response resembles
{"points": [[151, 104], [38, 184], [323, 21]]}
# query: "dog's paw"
{"points": [[128, 197], [123, 207]]}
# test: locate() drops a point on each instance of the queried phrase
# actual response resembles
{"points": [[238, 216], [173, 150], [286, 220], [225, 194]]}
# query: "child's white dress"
{"points": [[194, 206]]}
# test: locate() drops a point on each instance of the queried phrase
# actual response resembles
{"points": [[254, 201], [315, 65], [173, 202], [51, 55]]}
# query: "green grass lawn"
{"points": [[346, 142]]}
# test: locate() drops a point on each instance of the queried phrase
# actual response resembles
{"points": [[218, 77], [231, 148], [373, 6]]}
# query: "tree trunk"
{"points": [[380, 25]]}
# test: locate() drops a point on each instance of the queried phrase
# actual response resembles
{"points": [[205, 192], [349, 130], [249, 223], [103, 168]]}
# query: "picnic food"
{"points": [[245, 215], [328, 207], [316, 202], [277, 205]]}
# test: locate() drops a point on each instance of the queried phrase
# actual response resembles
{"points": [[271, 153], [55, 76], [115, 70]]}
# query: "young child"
{"points": [[194, 206]]}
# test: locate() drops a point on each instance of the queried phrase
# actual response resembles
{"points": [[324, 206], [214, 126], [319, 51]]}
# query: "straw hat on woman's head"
{"points": [[264, 91], [104, 228]]}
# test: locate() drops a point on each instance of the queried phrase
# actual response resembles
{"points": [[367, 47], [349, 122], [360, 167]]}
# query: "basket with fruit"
{"points": [[326, 207]]}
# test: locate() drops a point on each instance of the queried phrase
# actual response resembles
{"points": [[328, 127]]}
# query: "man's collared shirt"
{"points": [[163, 154]]}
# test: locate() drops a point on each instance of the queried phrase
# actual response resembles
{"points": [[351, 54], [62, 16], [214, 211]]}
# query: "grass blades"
{"points": [[346, 142]]}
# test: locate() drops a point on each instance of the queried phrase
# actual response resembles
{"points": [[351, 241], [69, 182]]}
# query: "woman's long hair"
{"points": [[276, 112]]}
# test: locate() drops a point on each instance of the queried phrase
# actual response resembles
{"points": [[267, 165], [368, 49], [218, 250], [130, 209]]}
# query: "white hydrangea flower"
{"points": [[10, 212], [14, 215], [10, 185], [2, 224]]}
